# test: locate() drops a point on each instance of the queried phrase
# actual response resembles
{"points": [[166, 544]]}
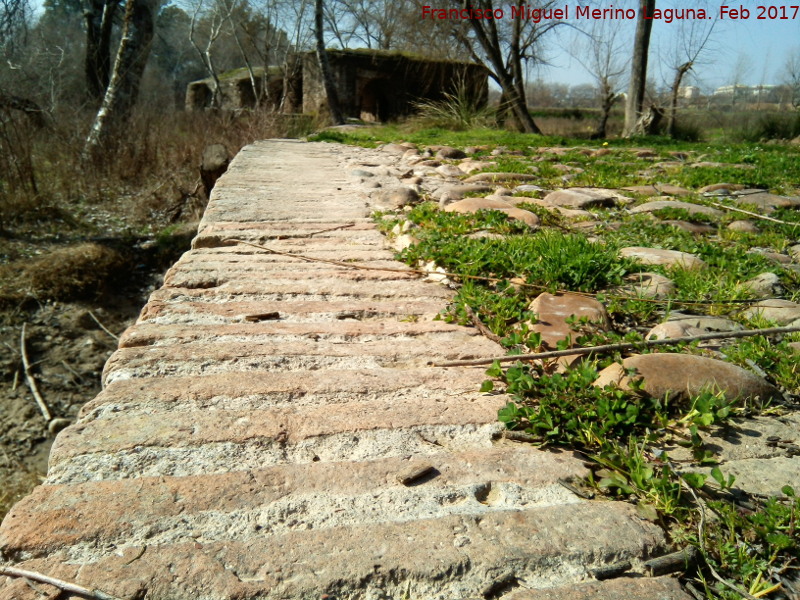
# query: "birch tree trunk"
{"points": [[641, 47], [120, 97]]}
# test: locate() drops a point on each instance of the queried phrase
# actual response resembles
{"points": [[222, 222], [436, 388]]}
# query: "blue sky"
{"points": [[756, 48]]}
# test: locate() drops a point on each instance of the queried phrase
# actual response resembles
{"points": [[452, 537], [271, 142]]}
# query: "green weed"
{"points": [[550, 260], [457, 111], [625, 432], [757, 546]]}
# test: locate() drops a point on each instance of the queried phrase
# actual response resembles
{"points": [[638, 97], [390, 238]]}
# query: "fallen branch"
{"points": [[619, 346], [31, 380], [337, 263], [752, 214], [611, 571], [485, 331], [345, 226], [62, 585], [670, 563]]}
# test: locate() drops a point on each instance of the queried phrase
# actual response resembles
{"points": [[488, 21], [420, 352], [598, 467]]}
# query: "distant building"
{"points": [[689, 92], [750, 93], [371, 85], [236, 89]]}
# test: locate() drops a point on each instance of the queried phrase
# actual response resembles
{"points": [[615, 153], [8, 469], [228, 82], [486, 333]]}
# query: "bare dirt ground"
{"points": [[72, 298]]}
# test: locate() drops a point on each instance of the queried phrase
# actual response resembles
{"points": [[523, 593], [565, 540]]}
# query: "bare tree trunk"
{"points": [[607, 99], [325, 67], [492, 47], [641, 45], [257, 97], [205, 56], [137, 35], [673, 104], [518, 81], [97, 65], [291, 98]]}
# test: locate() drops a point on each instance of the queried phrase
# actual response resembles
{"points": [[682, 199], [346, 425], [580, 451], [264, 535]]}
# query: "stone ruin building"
{"points": [[371, 85]]}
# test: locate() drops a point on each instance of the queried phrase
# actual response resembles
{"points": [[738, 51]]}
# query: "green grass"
{"points": [[775, 167], [624, 432]]}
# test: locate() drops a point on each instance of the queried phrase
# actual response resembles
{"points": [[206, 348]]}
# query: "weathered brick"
{"points": [[116, 512], [622, 588], [247, 390], [299, 354], [282, 425], [151, 334], [438, 559]]}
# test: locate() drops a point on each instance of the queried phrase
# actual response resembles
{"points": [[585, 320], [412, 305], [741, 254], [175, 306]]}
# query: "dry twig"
{"points": [[31, 380], [72, 588], [485, 331], [345, 226], [619, 346], [752, 214], [456, 276], [103, 327]]}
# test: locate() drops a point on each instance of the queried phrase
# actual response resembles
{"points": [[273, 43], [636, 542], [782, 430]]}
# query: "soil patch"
{"points": [[73, 301]]}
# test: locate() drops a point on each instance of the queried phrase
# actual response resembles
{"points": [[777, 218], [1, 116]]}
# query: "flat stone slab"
{"points": [[621, 588], [581, 198], [473, 205], [782, 312], [765, 201], [658, 190], [685, 375], [761, 452], [553, 310], [692, 209], [659, 256], [705, 322], [649, 285], [497, 177]]}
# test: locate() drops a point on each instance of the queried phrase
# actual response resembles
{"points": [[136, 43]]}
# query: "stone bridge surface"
{"points": [[271, 428]]}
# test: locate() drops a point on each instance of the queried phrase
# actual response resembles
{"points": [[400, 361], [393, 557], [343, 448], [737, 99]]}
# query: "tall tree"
{"points": [[172, 61], [638, 80], [123, 90], [324, 65], [693, 40], [739, 74], [99, 25], [14, 16], [599, 52], [213, 22], [503, 46], [791, 76]]}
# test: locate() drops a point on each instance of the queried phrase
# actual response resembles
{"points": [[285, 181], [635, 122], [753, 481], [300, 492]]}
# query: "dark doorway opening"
{"points": [[375, 104]]}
